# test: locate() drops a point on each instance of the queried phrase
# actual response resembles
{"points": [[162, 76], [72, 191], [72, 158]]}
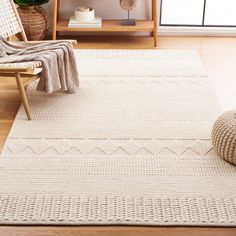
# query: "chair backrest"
{"points": [[10, 23]]}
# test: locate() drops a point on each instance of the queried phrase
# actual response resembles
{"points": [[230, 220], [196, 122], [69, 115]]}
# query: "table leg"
{"points": [[155, 21]]}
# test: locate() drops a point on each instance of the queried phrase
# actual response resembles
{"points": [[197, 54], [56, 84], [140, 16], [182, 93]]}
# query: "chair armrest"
{"points": [[19, 67], [23, 44], [74, 42]]}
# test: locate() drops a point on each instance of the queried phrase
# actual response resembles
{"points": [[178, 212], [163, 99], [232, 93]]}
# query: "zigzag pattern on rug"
{"points": [[108, 147], [197, 80]]}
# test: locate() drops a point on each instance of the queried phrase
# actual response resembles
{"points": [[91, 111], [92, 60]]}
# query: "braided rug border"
{"points": [[56, 210]]}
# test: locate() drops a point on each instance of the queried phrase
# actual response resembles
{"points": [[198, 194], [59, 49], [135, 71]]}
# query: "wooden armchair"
{"points": [[10, 24]]}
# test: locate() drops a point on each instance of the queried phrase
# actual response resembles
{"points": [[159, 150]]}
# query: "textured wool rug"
{"points": [[132, 147]]}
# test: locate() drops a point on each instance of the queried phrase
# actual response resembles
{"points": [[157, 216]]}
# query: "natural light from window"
{"points": [[198, 12]]}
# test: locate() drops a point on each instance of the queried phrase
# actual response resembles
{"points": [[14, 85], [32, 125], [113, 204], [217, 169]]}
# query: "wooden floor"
{"points": [[219, 57]]}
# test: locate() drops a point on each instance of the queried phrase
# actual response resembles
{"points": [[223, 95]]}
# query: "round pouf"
{"points": [[224, 136]]}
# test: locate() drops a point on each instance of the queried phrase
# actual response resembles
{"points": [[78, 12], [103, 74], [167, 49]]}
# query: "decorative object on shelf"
{"points": [[84, 17], [84, 14], [34, 18], [95, 23], [128, 5], [224, 136], [107, 25]]}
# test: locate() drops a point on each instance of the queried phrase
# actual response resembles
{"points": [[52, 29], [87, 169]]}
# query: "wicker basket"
{"points": [[35, 22]]}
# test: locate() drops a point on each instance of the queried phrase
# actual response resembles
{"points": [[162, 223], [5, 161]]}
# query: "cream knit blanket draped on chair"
{"points": [[58, 63]]}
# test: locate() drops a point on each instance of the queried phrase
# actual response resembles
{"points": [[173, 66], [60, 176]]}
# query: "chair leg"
{"points": [[23, 96]]}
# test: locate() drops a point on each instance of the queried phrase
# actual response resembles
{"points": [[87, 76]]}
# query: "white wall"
{"points": [[107, 9]]}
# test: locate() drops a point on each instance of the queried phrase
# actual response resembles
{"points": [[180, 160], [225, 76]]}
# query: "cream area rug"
{"points": [[131, 148]]}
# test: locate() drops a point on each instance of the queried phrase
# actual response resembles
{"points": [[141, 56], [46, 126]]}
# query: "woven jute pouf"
{"points": [[224, 136]]}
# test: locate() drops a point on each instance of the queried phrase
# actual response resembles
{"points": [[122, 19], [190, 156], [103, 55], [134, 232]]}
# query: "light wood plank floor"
{"points": [[219, 57]]}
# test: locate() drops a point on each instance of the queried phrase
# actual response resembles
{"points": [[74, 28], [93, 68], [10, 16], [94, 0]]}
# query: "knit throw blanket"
{"points": [[58, 63]]}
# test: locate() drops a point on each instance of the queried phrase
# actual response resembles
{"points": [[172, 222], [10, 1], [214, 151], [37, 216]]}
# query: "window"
{"points": [[220, 12], [198, 13], [182, 12]]}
